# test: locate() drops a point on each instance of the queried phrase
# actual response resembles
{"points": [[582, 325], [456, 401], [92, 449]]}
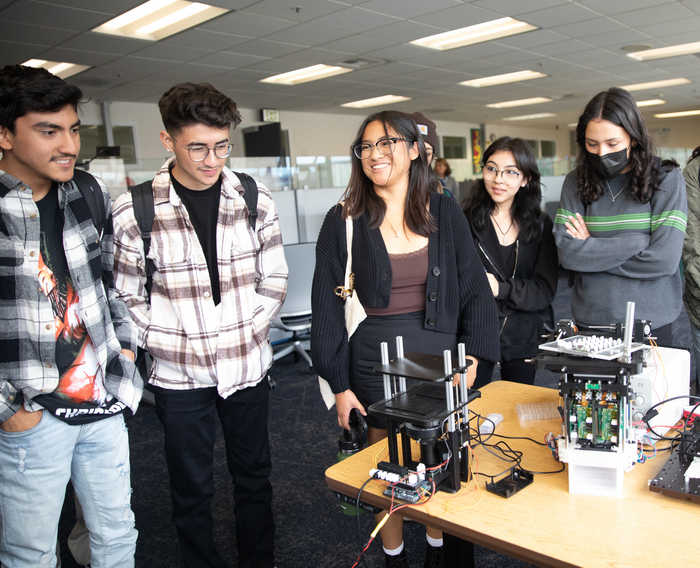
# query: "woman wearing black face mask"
{"points": [[621, 220]]}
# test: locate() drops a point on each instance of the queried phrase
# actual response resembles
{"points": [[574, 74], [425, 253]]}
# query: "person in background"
{"points": [[691, 251], [513, 237], [218, 283], [444, 172], [430, 138], [621, 220], [66, 372], [417, 275]]}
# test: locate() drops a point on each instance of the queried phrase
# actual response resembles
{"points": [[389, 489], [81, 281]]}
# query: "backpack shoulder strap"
{"points": [[92, 194], [250, 195], [144, 212]]}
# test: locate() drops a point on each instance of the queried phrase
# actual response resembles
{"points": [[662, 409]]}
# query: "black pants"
{"points": [[516, 371], [189, 419]]}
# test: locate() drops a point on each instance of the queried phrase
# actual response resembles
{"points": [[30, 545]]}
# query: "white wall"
{"points": [[318, 134]]}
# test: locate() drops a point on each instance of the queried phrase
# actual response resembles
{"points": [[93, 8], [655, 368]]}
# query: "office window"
{"points": [[454, 147], [548, 148], [535, 145], [94, 135]]}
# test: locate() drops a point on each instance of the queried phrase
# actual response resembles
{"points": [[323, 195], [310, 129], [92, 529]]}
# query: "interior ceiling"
{"points": [[578, 44]]}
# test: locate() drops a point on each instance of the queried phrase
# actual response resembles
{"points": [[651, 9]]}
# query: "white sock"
{"points": [[394, 552], [434, 542]]}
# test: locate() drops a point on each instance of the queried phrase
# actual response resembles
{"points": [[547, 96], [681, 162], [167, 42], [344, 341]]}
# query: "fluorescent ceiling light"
{"points": [[475, 34], [531, 116], [650, 102], [677, 114], [671, 51], [503, 79], [60, 69], [572, 124], [313, 73], [656, 84], [376, 101], [520, 102], [158, 19]]}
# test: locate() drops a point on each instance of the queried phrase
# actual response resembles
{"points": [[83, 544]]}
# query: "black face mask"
{"points": [[609, 165]]}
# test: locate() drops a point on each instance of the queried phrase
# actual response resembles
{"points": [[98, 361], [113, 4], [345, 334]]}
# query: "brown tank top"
{"points": [[408, 284]]}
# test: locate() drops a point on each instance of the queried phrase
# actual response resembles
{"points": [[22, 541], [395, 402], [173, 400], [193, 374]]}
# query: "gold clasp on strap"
{"points": [[344, 292]]}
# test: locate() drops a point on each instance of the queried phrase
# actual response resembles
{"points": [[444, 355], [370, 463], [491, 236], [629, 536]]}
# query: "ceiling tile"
{"points": [[590, 27], [206, 39], [51, 15], [315, 56], [510, 8], [266, 48], [18, 32], [458, 17], [15, 53], [559, 15], [171, 53], [531, 39], [620, 6], [229, 59], [89, 41], [243, 23], [656, 14], [91, 58], [285, 9], [358, 44], [404, 31], [409, 8], [307, 34], [355, 20]]}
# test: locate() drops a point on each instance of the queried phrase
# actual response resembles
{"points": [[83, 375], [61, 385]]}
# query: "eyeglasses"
{"points": [[386, 146], [509, 176], [200, 153]]}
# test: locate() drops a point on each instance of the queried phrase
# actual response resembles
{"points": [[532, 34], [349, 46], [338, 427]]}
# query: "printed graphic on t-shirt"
{"points": [[82, 380]]}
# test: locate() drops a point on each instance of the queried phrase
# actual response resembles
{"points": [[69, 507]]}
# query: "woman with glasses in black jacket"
{"points": [[513, 237]]}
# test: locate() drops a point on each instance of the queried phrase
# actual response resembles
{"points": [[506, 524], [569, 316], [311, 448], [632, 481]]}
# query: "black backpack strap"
{"points": [[144, 212], [250, 195], [92, 194]]}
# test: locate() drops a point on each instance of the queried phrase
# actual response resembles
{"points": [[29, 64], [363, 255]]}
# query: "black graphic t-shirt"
{"points": [[81, 396]]}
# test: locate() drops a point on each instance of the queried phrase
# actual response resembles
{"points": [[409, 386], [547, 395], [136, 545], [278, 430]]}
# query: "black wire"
{"points": [[359, 526]]}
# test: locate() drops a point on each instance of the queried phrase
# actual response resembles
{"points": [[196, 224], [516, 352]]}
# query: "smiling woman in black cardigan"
{"points": [[417, 275]]}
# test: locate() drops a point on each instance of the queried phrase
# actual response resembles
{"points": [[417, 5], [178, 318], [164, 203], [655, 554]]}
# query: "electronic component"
{"points": [[512, 483], [405, 485]]}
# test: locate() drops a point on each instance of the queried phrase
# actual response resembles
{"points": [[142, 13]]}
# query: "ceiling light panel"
{"points": [[158, 19], [58, 68], [531, 116], [478, 33], [671, 51], [651, 102], [503, 79], [656, 84], [520, 102], [678, 114], [313, 73], [376, 101]]}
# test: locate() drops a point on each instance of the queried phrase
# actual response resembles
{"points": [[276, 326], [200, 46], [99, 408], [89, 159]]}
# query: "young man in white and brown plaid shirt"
{"points": [[218, 283]]}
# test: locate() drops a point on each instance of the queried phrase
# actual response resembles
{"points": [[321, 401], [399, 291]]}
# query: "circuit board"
{"points": [[595, 418]]}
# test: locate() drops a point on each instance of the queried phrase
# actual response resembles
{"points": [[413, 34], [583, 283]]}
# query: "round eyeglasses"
{"points": [[199, 153], [508, 176], [386, 146]]}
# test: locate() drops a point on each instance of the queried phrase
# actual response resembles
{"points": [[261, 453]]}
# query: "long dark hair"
{"points": [[617, 106], [478, 205], [695, 154], [360, 196]]}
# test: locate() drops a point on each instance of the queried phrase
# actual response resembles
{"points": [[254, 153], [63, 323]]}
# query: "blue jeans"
{"points": [[35, 467]]}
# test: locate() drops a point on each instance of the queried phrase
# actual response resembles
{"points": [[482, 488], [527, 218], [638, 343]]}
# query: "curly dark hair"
{"points": [[619, 107], [33, 89], [189, 103], [360, 196], [478, 205]]}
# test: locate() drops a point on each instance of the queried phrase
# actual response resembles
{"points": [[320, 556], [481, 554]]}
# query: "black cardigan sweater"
{"points": [[523, 294], [458, 296]]}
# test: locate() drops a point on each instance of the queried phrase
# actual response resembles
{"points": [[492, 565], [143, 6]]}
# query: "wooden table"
{"points": [[544, 524]]}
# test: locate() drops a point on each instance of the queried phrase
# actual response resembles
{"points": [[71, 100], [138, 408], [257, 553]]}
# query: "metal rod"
{"points": [[629, 324], [399, 355], [449, 396], [462, 361], [385, 361]]}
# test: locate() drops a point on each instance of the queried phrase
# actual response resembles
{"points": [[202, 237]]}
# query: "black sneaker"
{"points": [[434, 557], [398, 561]]}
